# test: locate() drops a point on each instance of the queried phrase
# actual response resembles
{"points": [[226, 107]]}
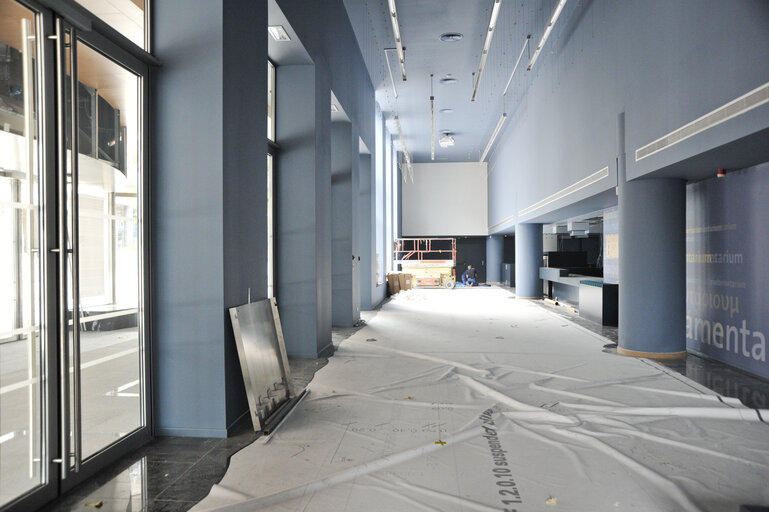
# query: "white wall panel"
{"points": [[446, 199]]}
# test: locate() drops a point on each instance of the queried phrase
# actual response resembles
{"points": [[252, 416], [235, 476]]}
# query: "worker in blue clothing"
{"points": [[470, 276]]}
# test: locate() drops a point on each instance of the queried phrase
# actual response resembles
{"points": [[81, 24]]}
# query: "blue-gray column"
{"points": [[652, 267], [366, 228], [494, 250], [208, 244], [528, 259], [345, 310], [303, 204]]}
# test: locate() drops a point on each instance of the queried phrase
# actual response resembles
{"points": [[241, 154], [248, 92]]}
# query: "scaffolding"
{"points": [[430, 260]]}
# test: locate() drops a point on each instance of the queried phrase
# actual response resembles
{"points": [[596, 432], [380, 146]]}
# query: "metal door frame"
{"points": [[117, 48]]}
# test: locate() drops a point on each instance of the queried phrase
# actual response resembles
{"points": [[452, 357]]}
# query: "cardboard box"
{"points": [[405, 281], [393, 283]]}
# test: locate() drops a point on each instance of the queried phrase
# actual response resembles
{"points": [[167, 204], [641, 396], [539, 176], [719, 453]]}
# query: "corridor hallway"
{"points": [[471, 400]]}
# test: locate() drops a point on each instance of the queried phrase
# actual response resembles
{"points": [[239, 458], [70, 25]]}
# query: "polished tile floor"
{"points": [[171, 474]]}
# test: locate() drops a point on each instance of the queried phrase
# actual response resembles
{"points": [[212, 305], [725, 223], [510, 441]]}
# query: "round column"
{"points": [[494, 249], [528, 259], [652, 268]]}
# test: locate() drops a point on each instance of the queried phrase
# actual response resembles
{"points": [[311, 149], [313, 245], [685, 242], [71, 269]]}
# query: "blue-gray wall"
{"points": [[208, 177], [209, 190], [663, 63], [367, 230], [303, 204], [344, 217]]}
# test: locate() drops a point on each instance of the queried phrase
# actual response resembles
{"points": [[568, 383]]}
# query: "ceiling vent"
{"points": [[451, 37], [578, 229], [732, 109]]}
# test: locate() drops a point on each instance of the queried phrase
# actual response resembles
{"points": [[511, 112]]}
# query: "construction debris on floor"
{"points": [[452, 401]]}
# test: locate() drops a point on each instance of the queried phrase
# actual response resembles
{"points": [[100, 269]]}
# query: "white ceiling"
{"points": [[421, 24]]}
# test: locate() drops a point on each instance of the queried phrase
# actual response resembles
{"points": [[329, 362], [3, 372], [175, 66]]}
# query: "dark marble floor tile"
{"points": [[162, 473], [196, 482], [169, 506], [725, 380], [178, 449]]}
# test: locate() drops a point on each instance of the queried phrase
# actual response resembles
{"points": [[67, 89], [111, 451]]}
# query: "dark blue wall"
{"points": [[663, 63]]}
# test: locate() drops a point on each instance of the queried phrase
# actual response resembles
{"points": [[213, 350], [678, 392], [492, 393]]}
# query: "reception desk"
{"points": [[595, 300]]}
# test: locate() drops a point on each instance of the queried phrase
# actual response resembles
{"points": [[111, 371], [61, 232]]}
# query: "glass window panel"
{"points": [[270, 101], [125, 16], [109, 248], [21, 430]]}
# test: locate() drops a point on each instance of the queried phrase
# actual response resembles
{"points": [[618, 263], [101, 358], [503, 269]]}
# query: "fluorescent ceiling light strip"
{"points": [[520, 56], [406, 154], [392, 80], [397, 36], [548, 29], [278, 33], [493, 136], [486, 45], [574, 187], [432, 127]]}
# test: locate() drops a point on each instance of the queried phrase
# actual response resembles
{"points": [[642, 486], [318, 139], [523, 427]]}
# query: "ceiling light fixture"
{"points": [[548, 29], [447, 81], [392, 80], [447, 140], [451, 37], [397, 36], [487, 45], [520, 55], [406, 155], [446, 111], [432, 120], [493, 136], [278, 33]]}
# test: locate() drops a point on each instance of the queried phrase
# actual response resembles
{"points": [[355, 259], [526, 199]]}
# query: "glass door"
{"points": [[21, 333], [73, 386], [102, 342]]}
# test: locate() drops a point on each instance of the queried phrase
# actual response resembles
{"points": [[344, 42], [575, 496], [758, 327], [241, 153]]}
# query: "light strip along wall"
{"points": [[503, 221], [734, 108], [574, 187]]}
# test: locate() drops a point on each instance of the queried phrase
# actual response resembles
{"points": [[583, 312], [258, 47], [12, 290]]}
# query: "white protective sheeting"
{"points": [[467, 400]]}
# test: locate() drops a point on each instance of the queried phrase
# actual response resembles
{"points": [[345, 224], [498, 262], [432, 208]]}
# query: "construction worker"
{"points": [[469, 276]]}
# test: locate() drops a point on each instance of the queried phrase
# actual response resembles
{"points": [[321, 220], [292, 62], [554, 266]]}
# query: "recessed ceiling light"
{"points": [[278, 33], [447, 81], [451, 37], [447, 111]]}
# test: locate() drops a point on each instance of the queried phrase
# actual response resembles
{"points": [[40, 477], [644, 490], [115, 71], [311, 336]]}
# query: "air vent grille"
{"points": [[749, 101]]}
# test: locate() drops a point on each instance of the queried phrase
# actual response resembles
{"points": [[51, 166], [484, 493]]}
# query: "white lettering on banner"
{"points": [[740, 340], [714, 301]]}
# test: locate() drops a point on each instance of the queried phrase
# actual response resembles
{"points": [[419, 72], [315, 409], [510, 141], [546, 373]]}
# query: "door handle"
{"points": [[68, 219], [74, 215], [61, 197]]}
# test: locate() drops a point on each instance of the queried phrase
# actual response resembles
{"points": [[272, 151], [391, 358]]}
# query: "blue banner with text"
{"points": [[727, 268]]}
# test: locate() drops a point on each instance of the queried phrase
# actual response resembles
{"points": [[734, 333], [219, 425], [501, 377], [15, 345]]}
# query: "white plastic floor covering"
{"points": [[466, 400]]}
